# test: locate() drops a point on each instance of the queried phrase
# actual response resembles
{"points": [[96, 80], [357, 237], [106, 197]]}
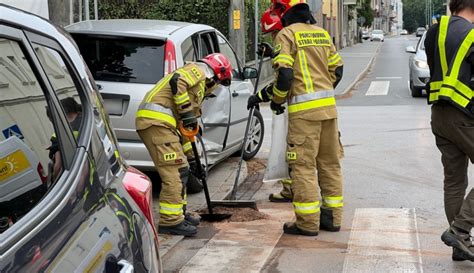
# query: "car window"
{"points": [[25, 139], [122, 59], [60, 78], [207, 47], [229, 53], [377, 32], [187, 48]]}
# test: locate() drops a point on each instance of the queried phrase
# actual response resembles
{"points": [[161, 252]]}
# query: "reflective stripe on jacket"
{"points": [[162, 107], [307, 50]]}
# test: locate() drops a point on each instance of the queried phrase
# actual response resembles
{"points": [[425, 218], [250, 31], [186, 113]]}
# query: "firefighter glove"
{"points": [[253, 102], [189, 120], [195, 170], [266, 49], [277, 108]]}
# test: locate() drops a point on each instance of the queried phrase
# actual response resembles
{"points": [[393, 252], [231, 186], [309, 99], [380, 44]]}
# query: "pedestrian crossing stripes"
{"points": [[378, 88], [384, 240]]}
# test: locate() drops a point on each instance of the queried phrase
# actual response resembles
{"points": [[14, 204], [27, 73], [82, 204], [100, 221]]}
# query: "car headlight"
{"points": [[421, 64]]}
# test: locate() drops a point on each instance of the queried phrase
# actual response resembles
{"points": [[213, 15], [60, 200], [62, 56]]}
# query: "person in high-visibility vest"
{"points": [[175, 100], [450, 55], [307, 68]]}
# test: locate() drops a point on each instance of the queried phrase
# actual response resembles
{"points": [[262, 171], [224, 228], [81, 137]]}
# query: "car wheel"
{"points": [[415, 92], [255, 136]]}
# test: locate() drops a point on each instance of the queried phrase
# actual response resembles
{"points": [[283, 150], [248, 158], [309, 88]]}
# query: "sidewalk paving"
{"points": [[220, 181]]}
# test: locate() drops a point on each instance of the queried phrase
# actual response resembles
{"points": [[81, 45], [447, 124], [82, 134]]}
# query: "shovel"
{"points": [[211, 216]]}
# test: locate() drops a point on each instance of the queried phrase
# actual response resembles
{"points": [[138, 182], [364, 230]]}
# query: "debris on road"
{"points": [[239, 214]]}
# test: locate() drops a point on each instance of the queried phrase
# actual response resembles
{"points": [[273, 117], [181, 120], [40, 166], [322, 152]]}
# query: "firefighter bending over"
{"points": [[175, 100]]}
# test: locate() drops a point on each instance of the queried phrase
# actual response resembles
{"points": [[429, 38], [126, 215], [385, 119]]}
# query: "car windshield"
{"points": [[420, 29], [377, 32], [122, 59]]}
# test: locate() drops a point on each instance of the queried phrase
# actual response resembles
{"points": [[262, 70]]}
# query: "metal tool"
{"points": [[211, 216], [232, 202]]}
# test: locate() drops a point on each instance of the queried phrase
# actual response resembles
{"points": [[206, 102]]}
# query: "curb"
{"points": [[362, 73]]}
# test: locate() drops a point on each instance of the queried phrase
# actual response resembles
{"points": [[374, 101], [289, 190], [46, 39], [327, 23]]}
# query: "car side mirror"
{"points": [[410, 49], [250, 73]]}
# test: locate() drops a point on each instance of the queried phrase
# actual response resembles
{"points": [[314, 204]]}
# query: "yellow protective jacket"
{"points": [[307, 51], [161, 107]]}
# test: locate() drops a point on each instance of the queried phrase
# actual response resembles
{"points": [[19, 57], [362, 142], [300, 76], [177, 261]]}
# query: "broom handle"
{"points": [[203, 176], [247, 127]]}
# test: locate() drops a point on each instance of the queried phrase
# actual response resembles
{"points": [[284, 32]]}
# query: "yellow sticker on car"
{"points": [[291, 155], [13, 164], [170, 156]]}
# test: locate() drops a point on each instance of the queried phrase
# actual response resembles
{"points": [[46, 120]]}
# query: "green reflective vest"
{"points": [[451, 80]]}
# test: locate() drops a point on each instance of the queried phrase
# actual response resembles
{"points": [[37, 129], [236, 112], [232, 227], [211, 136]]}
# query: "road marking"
{"points": [[378, 88], [384, 240], [388, 78], [241, 247]]}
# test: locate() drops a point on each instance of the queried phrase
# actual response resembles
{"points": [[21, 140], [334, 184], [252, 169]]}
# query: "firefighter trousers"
{"points": [[166, 151], [313, 155], [454, 134]]}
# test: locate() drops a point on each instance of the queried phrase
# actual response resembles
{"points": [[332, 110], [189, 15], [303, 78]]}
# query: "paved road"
{"points": [[393, 192]]}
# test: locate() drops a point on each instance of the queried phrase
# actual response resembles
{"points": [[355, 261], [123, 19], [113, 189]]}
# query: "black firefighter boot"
{"points": [[327, 221], [184, 228]]}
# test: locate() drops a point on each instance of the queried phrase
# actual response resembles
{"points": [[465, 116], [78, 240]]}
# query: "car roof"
{"points": [[135, 27]]}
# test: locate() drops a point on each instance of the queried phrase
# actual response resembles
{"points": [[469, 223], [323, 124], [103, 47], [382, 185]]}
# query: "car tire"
{"points": [[415, 92], [256, 138]]}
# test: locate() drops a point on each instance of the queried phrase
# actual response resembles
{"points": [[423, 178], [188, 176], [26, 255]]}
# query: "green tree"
{"points": [[366, 11], [209, 12], [414, 13]]}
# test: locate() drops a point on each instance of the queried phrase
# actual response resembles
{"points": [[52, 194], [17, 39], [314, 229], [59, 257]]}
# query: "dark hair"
{"points": [[458, 5], [70, 105]]}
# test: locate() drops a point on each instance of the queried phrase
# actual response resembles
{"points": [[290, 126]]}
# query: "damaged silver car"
{"points": [[127, 57]]}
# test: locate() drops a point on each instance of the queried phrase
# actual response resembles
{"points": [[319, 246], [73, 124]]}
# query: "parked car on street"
{"points": [[420, 31], [377, 35], [365, 34], [127, 57], [68, 202], [419, 70], [403, 32]]}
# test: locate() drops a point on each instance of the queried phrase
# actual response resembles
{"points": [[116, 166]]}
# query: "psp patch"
{"points": [[291, 155], [170, 156]]}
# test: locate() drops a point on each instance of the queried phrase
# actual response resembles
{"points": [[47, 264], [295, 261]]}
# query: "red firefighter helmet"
{"points": [[221, 67], [280, 7], [270, 21]]}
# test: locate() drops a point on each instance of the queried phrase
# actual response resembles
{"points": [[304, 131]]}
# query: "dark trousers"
{"points": [[454, 132]]}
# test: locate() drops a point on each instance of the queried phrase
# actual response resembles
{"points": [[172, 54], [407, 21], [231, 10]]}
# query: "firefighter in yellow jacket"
{"points": [[175, 100], [307, 69]]}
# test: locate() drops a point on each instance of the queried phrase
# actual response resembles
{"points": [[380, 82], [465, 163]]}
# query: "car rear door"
{"points": [[240, 89], [216, 109]]}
